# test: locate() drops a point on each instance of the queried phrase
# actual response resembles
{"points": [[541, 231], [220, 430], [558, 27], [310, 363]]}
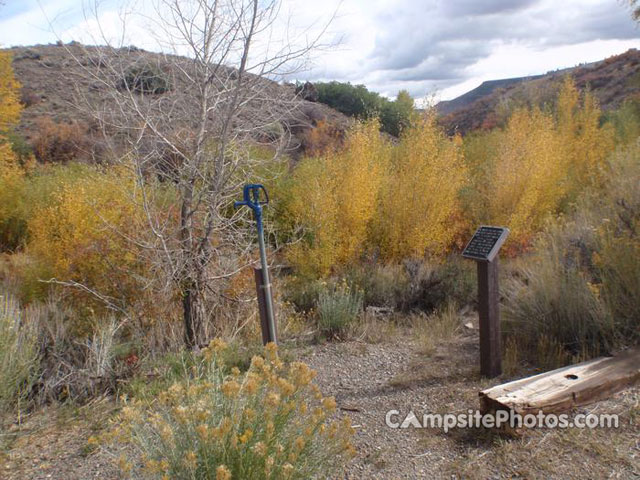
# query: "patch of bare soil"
{"points": [[368, 380], [52, 444]]}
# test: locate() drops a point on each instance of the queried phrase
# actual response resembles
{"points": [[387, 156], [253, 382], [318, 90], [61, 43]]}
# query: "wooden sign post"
{"points": [[483, 248]]}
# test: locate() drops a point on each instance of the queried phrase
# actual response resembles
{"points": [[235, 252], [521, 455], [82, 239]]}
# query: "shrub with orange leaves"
{"points": [[322, 138], [59, 142]]}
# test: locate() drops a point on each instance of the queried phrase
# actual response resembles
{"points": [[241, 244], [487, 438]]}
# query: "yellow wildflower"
{"points": [[152, 466], [230, 388], [203, 431], [257, 362], [260, 448], [300, 374], [246, 436], [223, 473], [329, 404], [271, 351], [287, 470], [272, 399], [251, 385], [217, 345], [225, 426], [124, 464], [268, 465], [250, 414], [286, 387], [299, 444], [190, 460]]}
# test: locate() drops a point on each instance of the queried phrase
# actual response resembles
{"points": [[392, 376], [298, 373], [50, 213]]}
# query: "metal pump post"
{"points": [[251, 199]]}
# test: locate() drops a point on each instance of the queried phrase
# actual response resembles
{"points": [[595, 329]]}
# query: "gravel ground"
{"points": [[367, 381]]}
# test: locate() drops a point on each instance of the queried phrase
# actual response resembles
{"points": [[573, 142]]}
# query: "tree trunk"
{"points": [[190, 315]]}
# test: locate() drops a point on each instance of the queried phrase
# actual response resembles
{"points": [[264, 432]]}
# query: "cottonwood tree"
{"points": [[188, 127]]}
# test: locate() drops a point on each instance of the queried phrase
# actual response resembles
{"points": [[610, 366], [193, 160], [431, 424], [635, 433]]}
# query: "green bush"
{"points": [[382, 285], [271, 423], [302, 292], [625, 121], [146, 79], [432, 286], [19, 355], [338, 307], [356, 101]]}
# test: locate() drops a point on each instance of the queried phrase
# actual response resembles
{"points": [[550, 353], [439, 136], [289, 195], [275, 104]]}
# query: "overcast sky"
{"points": [[428, 47]]}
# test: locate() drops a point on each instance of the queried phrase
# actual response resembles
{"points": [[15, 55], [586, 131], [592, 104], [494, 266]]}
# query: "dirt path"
{"points": [[367, 381]]}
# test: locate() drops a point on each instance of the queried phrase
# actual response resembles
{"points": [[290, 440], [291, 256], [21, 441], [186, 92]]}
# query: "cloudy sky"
{"points": [[429, 47]]}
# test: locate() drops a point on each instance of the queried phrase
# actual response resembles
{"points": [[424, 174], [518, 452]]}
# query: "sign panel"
{"points": [[485, 243]]}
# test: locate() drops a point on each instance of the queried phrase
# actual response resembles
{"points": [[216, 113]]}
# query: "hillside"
{"points": [[612, 81], [57, 80], [486, 88]]}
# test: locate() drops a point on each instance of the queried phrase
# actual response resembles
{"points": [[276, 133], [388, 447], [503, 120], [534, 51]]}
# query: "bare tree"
{"points": [[635, 9], [189, 123]]}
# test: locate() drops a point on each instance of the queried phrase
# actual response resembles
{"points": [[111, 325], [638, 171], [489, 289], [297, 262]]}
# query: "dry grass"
{"points": [[374, 329], [436, 329]]}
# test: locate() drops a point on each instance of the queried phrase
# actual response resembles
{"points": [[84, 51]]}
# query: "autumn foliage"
{"points": [[420, 196], [418, 206], [376, 197], [334, 198], [11, 174], [10, 107]]}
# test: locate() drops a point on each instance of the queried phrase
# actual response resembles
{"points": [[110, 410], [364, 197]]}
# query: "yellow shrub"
{"points": [[10, 107], [529, 175], [334, 198], [585, 143], [12, 184], [11, 175], [538, 164], [83, 234], [270, 423], [419, 211]]}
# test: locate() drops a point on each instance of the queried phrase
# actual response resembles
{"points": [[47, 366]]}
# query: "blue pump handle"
{"points": [[251, 197]]}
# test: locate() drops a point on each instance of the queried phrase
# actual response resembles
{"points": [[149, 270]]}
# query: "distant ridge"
{"points": [[612, 81], [486, 88]]}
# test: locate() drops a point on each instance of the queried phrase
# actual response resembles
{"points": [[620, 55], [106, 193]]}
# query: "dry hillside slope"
{"points": [[59, 80]]}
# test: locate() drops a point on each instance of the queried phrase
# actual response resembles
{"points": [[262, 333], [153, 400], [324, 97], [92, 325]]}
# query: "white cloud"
{"points": [[424, 46]]}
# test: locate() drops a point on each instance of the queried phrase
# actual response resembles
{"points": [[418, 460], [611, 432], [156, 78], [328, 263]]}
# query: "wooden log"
{"points": [[565, 388]]}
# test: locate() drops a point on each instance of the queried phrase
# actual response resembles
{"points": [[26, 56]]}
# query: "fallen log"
{"points": [[565, 388]]}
